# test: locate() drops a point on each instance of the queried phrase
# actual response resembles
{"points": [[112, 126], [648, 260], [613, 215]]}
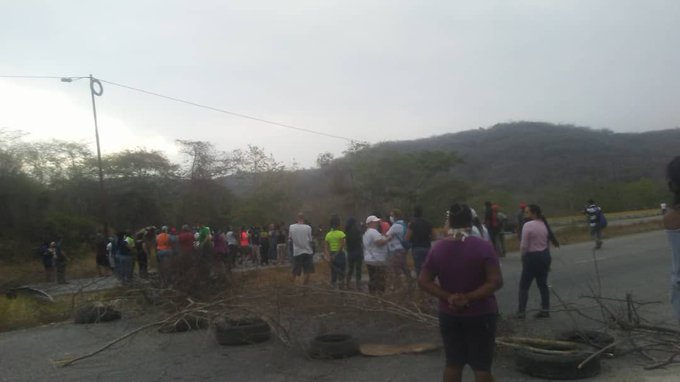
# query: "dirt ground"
{"points": [[28, 355]]}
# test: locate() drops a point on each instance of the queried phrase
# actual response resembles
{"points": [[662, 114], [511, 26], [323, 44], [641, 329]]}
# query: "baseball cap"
{"points": [[372, 219]]}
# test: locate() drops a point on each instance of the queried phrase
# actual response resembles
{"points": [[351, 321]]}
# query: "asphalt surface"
{"points": [[637, 264]]}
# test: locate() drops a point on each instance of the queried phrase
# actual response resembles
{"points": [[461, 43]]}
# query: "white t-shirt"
{"points": [[301, 234], [374, 253]]}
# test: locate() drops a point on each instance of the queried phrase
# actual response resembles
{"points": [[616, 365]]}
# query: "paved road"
{"points": [[637, 264]]}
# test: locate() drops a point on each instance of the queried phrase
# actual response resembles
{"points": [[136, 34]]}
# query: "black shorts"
{"points": [[469, 340], [303, 263]]}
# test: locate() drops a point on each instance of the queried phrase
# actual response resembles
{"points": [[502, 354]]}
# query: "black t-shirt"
{"points": [[353, 239], [421, 235]]}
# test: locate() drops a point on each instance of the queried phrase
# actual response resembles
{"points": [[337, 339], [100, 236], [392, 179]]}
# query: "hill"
{"points": [[524, 155]]}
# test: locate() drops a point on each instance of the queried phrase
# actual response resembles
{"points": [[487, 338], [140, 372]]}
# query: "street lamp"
{"points": [[96, 89]]}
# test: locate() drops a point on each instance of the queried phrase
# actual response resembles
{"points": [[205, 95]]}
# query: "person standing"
{"points": [[334, 252], [300, 234], [521, 219], [593, 212], [375, 255], [255, 244], [419, 234], [163, 252], [186, 241], [671, 223], [59, 259], [221, 259], [102, 259], [492, 224], [396, 249], [47, 255], [122, 248], [281, 244], [468, 273], [535, 250], [355, 252], [264, 246]]}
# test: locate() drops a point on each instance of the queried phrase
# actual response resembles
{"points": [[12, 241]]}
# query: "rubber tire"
{"points": [[333, 346], [189, 322], [242, 332], [589, 337], [92, 314], [557, 366]]}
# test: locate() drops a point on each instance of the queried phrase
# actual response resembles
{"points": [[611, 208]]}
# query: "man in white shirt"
{"points": [[301, 236], [375, 255]]}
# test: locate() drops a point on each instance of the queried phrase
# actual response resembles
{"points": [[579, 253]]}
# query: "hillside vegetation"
{"points": [[51, 189]]}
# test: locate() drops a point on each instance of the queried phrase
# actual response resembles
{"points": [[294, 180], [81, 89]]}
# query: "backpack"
{"points": [[402, 239]]}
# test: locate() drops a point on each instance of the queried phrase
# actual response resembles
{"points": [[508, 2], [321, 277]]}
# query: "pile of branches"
{"points": [[658, 346], [288, 309]]}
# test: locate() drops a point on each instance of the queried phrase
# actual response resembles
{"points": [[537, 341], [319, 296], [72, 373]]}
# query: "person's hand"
{"points": [[458, 301]]}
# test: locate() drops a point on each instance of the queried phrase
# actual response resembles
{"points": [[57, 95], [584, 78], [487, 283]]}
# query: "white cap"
{"points": [[372, 219]]}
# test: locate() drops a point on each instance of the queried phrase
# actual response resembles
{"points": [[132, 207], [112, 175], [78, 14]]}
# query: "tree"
{"points": [[139, 163], [204, 161]]}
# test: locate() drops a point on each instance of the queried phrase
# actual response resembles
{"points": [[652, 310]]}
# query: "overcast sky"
{"points": [[365, 70]]}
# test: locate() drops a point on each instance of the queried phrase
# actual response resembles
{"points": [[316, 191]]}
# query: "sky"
{"points": [[368, 71]]}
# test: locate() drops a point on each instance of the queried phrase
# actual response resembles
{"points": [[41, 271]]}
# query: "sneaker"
{"points": [[542, 314]]}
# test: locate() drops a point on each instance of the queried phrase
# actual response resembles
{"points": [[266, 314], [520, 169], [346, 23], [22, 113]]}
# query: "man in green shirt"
{"points": [[334, 252]]}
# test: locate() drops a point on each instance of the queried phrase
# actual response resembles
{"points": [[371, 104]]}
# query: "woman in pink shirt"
{"points": [[535, 249]]}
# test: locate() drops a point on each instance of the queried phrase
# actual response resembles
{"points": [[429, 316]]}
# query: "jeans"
{"points": [[419, 255], [355, 260], [338, 263], [535, 265]]}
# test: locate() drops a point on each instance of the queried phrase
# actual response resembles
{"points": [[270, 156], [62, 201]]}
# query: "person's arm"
{"points": [[409, 233], [426, 282], [524, 243], [343, 244], [326, 250], [492, 283]]}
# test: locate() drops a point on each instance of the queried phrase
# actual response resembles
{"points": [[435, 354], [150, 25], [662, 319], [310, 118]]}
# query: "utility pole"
{"points": [[96, 89]]}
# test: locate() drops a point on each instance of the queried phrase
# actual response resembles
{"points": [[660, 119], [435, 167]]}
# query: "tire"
{"points": [[557, 366], [333, 346], [242, 332], [94, 313], [588, 337], [186, 323]]}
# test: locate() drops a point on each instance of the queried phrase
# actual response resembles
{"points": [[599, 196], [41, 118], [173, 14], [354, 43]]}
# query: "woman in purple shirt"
{"points": [[535, 249], [469, 273]]}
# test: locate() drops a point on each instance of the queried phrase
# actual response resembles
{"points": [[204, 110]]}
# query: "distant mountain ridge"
{"points": [[519, 156]]}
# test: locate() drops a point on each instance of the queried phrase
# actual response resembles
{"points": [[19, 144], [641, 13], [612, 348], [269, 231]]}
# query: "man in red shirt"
{"points": [[186, 241]]}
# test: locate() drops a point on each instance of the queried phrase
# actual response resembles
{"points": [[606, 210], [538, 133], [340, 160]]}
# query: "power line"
{"points": [[229, 112], [198, 105], [37, 77]]}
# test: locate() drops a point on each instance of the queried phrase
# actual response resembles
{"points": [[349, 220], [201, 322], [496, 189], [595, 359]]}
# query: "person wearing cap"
{"points": [[300, 235], [375, 255]]}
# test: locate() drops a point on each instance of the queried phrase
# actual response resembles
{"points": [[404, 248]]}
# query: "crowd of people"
{"points": [[460, 264]]}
